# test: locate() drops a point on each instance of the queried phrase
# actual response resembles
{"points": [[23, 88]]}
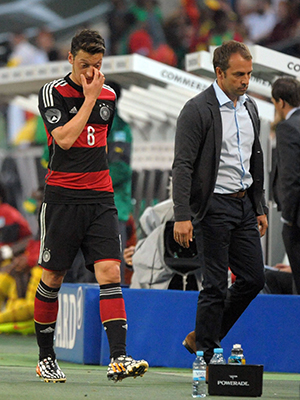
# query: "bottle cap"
{"points": [[237, 346], [200, 353], [218, 350]]}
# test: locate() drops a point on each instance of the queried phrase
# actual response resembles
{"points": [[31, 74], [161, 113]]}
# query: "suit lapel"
{"points": [[253, 115], [214, 108]]}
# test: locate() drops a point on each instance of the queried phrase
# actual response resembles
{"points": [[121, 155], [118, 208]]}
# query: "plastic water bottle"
{"points": [[237, 355], [199, 372], [218, 357]]}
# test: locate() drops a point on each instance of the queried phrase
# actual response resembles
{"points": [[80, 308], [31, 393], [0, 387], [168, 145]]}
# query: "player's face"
{"points": [[235, 80], [84, 63]]}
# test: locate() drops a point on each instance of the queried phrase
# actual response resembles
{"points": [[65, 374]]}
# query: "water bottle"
{"points": [[237, 355], [199, 372], [218, 357]]}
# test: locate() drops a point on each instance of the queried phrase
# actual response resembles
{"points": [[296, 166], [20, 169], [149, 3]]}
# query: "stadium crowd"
{"points": [[140, 26]]}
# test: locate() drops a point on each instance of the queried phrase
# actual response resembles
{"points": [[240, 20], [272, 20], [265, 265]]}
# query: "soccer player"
{"points": [[78, 209]]}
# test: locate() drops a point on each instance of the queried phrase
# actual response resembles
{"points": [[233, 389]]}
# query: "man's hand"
{"points": [[93, 89], [66, 135], [262, 223], [127, 255], [183, 233], [284, 268]]}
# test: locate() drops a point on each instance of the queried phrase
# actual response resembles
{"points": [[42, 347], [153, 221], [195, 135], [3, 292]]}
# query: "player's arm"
{"points": [[66, 135]]}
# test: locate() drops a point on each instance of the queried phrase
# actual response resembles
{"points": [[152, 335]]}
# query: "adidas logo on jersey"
{"points": [[73, 110]]}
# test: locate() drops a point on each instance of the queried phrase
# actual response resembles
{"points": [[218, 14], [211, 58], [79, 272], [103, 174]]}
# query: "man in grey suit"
{"points": [[286, 184], [218, 194]]}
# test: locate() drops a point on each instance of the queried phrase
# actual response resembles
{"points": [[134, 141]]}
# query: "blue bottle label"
{"points": [[236, 360], [199, 375]]}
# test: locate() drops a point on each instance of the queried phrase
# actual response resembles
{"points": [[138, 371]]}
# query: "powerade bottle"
{"points": [[237, 355], [199, 372], [218, 357]]}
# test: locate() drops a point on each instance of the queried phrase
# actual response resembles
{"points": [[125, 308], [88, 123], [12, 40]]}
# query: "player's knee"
{"points": [[53, 279], [108, 272]]}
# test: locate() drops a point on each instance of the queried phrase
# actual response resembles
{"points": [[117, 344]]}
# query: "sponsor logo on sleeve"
{"points": [[53, 115]]}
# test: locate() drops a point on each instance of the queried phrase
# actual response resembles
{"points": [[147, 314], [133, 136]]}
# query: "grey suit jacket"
{"points": [[197, 154], [286, 185]]}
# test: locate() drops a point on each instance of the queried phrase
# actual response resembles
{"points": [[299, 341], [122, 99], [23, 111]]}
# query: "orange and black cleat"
{"points": [[125, 367]]}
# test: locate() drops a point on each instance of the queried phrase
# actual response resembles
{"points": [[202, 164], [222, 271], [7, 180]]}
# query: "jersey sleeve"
{"points": [[52, 107]]}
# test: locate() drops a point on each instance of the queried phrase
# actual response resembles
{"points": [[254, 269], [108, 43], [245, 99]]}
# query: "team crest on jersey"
{"points": [[46, 255], [53, 115], [104, 112]]}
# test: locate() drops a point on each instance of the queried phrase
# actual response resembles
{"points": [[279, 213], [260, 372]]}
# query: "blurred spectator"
{"points": [[32, 132], [222, 30], [192, 11], [46, 42], [120, 22], [19, 279], [217, 23], [261, 22], [140, 42], [14, 229], [164, 54], [247, 20], [288, 19], [10, 179], [16, 316], [137, 28], [244, 7], [149, 16], [205, 25], [5, 50], [178, 30], [24, 53]]}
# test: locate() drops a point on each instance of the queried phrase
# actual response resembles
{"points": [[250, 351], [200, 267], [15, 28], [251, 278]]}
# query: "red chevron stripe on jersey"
{"points": [[81, 181]]}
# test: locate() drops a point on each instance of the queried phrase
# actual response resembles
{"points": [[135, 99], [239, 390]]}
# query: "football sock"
{"points": [[113, 317], [45, 315]]}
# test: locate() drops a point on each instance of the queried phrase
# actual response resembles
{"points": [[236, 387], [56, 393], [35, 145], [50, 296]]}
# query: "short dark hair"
{"points": [[89, 41], [223, 53], [287, 89]]}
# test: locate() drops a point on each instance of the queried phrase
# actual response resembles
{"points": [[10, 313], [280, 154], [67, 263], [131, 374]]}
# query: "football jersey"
{"points": [[79, 174]]}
